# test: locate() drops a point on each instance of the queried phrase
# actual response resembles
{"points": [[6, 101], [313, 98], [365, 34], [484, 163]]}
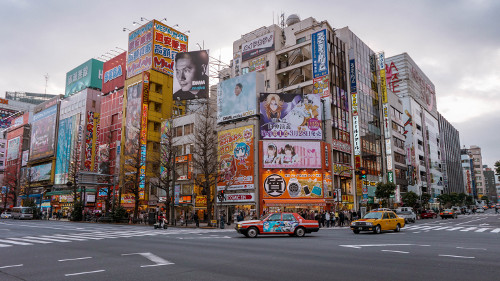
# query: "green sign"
{"points": [[390, 177], [87, 75]]}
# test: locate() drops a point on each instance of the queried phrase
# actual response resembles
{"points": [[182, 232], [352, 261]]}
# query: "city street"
{"points": [[455, 249]]}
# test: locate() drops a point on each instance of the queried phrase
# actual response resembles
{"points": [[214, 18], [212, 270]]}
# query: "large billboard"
{"points": [[291, 154], [236, 158], [281, 184], [42, 133], [191, 75], [115, 71], [133, 118], [91, 143], [237, 97], [86, 75], [258, 46], [6, 117], [40, 172], [154, 46], [13, 148], [66, 146], [290, 116]]}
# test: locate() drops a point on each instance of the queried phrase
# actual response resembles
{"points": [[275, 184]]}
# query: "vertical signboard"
{"points": [[386, 113], [140, 46], [354, 109], [143, 134], [66, 142], [321, 81], [91, 145], [13, 148]]}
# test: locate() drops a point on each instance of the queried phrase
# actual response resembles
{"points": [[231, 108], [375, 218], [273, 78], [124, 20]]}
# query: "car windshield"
{"points": [[406, 213], [448, 210], [374, 215], [263, 217]]}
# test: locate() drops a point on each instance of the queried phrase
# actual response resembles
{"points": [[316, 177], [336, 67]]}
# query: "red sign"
{"points": [[115, 71]]}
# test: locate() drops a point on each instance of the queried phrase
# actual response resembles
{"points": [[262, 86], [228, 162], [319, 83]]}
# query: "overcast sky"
{"points": [[456, 43]]}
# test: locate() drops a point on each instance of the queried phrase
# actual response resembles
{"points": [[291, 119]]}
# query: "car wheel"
{"points": [[398, 228], [356, 231], [252, 232], [246, 235], [300, 232], [442, 218], [377, 229]]}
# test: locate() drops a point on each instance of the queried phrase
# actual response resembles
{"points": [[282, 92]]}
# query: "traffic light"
{"points": [[221, 196], [363, 173]]}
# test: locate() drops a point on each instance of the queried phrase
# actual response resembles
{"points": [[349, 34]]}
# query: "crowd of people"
{"points": [[331, 218]]}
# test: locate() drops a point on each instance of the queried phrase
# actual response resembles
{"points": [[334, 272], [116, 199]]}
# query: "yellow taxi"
{"points": [[378, 221]]}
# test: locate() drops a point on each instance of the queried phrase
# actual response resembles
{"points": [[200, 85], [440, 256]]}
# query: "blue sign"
{"points": [[319, 53], [352, 76], [177, 194]]}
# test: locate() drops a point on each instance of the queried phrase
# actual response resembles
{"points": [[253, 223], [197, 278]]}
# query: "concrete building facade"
{"points": [[453, 177]]}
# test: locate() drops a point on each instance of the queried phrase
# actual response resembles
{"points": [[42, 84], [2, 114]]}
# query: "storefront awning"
{"points": [[294, 202]]}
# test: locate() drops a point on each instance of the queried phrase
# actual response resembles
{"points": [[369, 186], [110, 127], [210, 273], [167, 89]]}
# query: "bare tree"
{"points": [[165, 177], [131, 172], [205, 161], [13, 184], [106, 157]]}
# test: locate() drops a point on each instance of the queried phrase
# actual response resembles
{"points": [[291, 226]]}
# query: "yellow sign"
{"points": [[383, 86]]}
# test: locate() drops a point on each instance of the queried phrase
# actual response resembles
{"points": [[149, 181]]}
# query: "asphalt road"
{"points": [[466, 248]]}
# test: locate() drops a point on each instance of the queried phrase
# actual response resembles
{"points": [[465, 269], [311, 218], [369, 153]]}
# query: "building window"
{"points": [[157, 107], [156, 126], [178, 131], [114, 118], [188, 129], [156, 146], [93, 103], [159, 88]]}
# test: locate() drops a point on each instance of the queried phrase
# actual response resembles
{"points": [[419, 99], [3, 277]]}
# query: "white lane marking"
{"points": [[7, 266], [87, 272], [482, 229], [154, 258], [469, 228], [31, 240], [82, 238], [75, 259], [47, 239], [380, 245], [496, 230], [461, 257], [401, 252], [471, 248], [3, 245], [441, 228], [14, 242], [67, 238]]}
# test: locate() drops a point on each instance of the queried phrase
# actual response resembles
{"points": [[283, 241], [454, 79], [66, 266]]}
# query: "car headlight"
{"points": [[353, 223], [369, 223], [238, 225]]}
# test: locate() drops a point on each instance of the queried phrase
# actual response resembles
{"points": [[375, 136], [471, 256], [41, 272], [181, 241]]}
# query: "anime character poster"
{"points": [[133, 119], [291, 154], [235, 158], [290, 116]]}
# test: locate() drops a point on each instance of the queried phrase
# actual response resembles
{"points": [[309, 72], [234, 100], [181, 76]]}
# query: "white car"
{"points": [[409, 216], [480, 210], [6, 215]]}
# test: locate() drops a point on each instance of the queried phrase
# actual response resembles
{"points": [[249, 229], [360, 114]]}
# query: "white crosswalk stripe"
{"points": [[479, 229], [111, 233]]}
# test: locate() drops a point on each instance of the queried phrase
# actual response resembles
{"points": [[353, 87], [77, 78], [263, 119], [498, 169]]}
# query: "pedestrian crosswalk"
{"points": [[478, 229], [99, 235]]}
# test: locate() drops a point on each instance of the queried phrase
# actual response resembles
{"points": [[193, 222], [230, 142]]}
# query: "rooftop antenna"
{"points": [[46, 81], [282, 25]]}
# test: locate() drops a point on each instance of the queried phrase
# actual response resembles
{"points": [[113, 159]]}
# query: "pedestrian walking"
{"points": [[196, 220], [327, 219], [341, 218], [337, 218]]}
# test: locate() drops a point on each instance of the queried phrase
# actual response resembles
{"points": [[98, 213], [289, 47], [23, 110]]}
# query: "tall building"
{"points": [[476, 170], [148, 99], [10, 109], [31, 98], [422, 139], [490, 183], [367, 134], [453, 177]]}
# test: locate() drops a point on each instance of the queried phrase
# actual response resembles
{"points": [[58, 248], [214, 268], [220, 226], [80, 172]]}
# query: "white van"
{"points": [[404, 209]]}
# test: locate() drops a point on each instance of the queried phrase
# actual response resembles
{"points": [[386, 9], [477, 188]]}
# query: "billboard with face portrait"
{"points": [[191, 75], [301, 184], [133, 119], [235, 158], [291, 154], [237, 97], [43, 133], [290, 116]]}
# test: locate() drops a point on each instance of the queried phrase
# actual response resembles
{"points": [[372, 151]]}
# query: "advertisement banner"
{"points": [[290, 116], [177, 194], [327, 185], [43, 133], [352, 75], [356, 136], [281, 184], [257, 64], [387, 121], [41, 172], [143, 134], [200, 202], [127, 198], [25, 159], [341, 146], [238, 198], [191, 75], [236, 158], [258, 46], [5, 120], [167, 43], [236, 64], [319, 53], [133, 119], [342, 170], [140, 47], [86, 75], [321, 86], [114, 73], [13, 148], [291, 154], [66, 142], [237, 97], [91, 145]]}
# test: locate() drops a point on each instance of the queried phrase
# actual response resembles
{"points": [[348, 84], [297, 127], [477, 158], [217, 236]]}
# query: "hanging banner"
{"points": [[291, 154]]}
